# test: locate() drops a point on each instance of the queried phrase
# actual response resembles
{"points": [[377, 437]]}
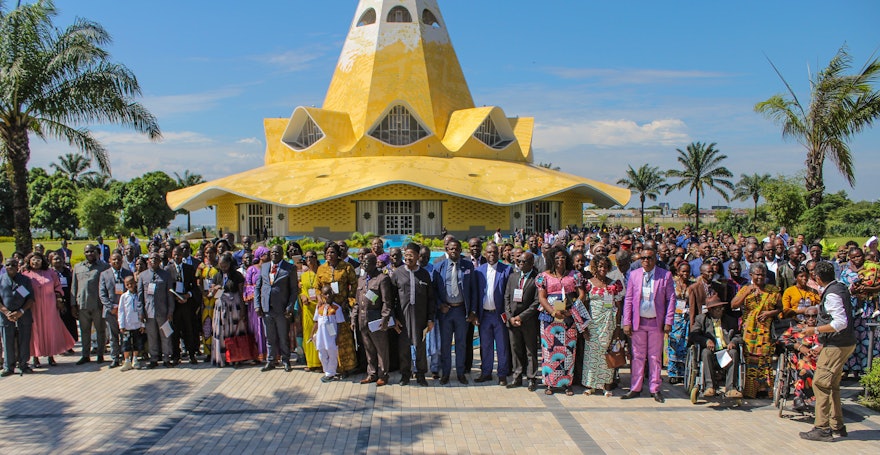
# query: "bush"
{"points": [[871, 382]]}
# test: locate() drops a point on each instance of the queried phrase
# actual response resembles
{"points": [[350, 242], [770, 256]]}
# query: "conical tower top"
{"points": [[398, 52]]}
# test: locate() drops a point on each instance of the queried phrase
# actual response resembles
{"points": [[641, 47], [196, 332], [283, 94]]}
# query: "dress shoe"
{"points": [[435, 375], [192, 360], [817, 434], [114, 363], [404, 380], [799, 405], [325, 379], [52, 361], [444, 380], [26, 370], [533, 385], [268, 367], [841, 432], [287, 367], [462, 379], [658, 397], [516, 383], [381, 381], [486, 378], [167, 364], [368, 380], [631, 394], [100, 359], [5, 373], [502, 381], [83, 361], [420, 379]]}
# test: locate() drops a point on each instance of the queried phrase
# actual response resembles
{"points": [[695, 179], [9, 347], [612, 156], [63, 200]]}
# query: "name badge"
{"points": [[608, 300], [206, 284], [804, 303], [517, 295], [371, 296], [178, 288], [22, 291], [680, 305], [151, 288], [120, 288], [335, 287], [63, 280], [313, 294]]}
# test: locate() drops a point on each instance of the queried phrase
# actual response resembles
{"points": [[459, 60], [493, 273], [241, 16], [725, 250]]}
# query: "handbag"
{"points": [[240, 348], [615, 355]]}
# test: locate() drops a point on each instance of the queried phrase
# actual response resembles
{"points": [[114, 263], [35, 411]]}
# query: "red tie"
{"points": [[274, 268]]}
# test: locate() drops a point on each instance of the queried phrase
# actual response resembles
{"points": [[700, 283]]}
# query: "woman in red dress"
{"points": [[50, 337]]}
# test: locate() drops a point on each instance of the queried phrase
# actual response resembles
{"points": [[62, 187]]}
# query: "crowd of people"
{"points": [[549, 309]]}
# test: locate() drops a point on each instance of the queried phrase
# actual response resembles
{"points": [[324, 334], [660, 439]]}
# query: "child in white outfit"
{"points": [[328, 316], [131, 325]]}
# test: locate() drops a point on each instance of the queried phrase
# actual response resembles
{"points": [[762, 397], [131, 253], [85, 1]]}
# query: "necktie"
{"points": [[274, 269], [453, 280], [719, 336]]}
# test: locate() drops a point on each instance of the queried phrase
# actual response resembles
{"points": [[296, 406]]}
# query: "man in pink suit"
{"points": [[647, 314]]}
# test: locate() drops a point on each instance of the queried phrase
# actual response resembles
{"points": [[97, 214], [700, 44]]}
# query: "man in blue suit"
{"points": [[275, 294], [491, 281], [455, 293]]}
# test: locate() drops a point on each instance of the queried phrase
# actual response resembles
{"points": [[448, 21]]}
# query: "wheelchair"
{"points": [[693, 373], [785, 379]]}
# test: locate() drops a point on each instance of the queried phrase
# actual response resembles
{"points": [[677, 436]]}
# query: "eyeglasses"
{"points": [[649, 258], [811, 316]]}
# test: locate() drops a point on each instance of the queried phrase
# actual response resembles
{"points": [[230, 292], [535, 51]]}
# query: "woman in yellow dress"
{"points": [[205, 275], [796, 299], [760, 303], [340, 276], [308, 298]]}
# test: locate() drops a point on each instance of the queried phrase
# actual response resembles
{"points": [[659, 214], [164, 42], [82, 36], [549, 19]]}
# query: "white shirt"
{"points": [[128, 316], [834, 307], [489, 303], [646, 305]]}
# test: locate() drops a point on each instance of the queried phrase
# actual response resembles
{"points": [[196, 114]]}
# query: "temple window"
{"points": [[399, 14], [488, 134], [369, 17], [428, 18], [307, 137], [399, 128]]}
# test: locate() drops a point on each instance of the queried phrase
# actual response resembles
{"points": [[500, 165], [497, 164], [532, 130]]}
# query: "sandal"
{"points": [[568, 391], [588, 392], [52, 361], [549, 391], [608, 394]]}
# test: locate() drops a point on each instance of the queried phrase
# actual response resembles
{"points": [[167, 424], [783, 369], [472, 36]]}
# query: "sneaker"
{"points": [[841, 432], [136, 364], [817, 434], [126, 366], [326, 379]]}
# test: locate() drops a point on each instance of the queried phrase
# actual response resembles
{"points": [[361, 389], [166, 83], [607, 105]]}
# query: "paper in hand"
{"points": [[166, 329]]}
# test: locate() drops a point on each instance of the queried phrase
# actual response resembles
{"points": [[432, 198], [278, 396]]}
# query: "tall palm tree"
{"points": [[648, 181], [750, 186], [840, 106], [74, 166], [186, 180], [549, 166], [52, 82], [701, 170], [96, 181]]}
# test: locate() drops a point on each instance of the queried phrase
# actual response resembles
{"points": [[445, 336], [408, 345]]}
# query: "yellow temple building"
{"points": [[397, 148]]}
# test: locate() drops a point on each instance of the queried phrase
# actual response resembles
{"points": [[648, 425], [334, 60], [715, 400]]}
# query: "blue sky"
{"points": [[609, 83]]}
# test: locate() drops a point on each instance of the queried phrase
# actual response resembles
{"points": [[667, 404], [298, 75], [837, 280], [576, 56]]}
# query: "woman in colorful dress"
{"points": [[676, 351], [229, 314], [308, 298], [605, 296], [760, 303], [796, 299], [559, 287], [340, 276], [49, 337], [205, 274], [807, 348], [863, 288], [255, 323]]}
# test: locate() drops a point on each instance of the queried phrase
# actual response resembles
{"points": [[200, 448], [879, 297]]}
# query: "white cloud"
{"points": [[166, 105], [291, 61], [556, 136], [250, 141], [109, 138], [633, 76]]}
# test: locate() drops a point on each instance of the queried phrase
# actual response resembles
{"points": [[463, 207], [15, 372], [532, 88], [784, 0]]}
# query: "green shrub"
{"points": [[871, 380]]}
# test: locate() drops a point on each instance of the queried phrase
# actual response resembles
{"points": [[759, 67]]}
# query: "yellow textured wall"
{"points": [[337, 215], [572, 209], [227, 211]]}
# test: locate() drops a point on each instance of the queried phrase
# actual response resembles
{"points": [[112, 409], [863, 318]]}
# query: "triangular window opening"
{"points": [[309, 134], [429, 19], [368, 18], [399, 128], [488, 134], [399, 14]]}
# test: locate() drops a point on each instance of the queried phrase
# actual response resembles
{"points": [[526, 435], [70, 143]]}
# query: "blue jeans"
{"points": [[453, 322], [493, 336]]}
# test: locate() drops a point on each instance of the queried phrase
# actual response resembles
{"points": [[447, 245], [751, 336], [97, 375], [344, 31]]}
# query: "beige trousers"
{"points": [[826, 386]]}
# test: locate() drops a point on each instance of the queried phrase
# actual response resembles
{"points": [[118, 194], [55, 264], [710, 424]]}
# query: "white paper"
{"points": [[178, 288], [517, 295], [371, 296], [313, 294], [22, 291], [166, 329], [723, 357], [335, 287], [376, 325]]}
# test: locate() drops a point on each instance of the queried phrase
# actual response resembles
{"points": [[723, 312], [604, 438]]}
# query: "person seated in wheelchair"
{"points": [[803, 352], [715, 332]]}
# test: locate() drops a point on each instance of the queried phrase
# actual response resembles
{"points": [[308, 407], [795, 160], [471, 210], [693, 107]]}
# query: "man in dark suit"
{"points": [[521, 306], [475, 250], [16, 317], [103, 250], [185, 286], [415, 313], [491, 281], [275, 293], [159, 308], [454, 291], [111, 287], [375, 300]]}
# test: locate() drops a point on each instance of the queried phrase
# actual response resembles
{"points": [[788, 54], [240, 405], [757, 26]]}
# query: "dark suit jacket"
{"points": [[415, 318], [107, 288], [366, 310], [465, 282], [278, 296], [703, 330], [528, 308], [502, 273], [697, 296], [190, 285], [160, 302]]}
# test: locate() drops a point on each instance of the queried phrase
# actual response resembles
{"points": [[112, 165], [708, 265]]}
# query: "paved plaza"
{"points": [[204, 409]]}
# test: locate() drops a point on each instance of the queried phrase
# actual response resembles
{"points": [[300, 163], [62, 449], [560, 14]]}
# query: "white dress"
{"points": [[327, 320]]}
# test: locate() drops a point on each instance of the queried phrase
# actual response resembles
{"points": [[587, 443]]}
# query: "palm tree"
{"points": [[841, 105], [96, 181], [74, 166], [52, 82], [701, 170], [648, 181], [186, 180], [549, 166], [750, 186]]}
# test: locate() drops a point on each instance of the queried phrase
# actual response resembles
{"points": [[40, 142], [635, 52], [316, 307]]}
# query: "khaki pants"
{"points": [[826, 386]]}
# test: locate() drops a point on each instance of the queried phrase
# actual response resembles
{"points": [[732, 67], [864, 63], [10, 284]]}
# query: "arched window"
{"points": [[369, 17], [307, 137], [399, 14], [428, 18], [399, 128], [488, 134]]}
